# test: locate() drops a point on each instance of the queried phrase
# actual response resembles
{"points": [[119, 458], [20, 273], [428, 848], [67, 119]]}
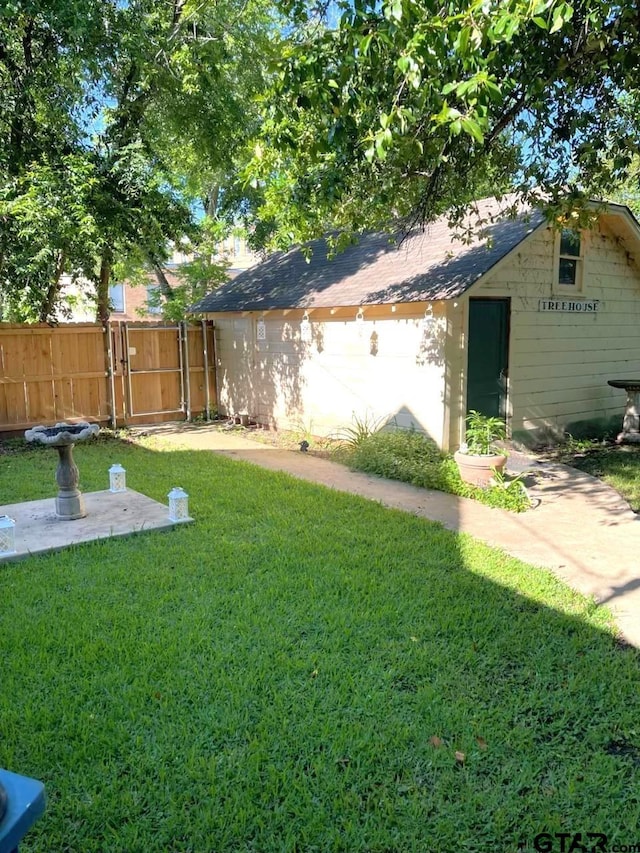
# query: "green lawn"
{"points": [[296, 672], [617, 465]]}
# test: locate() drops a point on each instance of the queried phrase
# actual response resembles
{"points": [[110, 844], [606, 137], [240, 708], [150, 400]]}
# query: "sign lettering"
{"points": [[567, 305]]}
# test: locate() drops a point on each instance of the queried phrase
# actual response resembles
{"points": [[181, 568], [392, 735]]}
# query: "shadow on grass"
{"points": [[303, 670]]}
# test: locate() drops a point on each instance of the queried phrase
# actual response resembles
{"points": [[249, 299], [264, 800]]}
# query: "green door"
{"points": [[488, 356]]}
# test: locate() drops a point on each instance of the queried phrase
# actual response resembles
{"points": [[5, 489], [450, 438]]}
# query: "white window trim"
{"points": [[578, 287]]}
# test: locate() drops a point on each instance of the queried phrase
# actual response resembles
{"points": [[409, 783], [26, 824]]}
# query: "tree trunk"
{"points": [[212, 201], [103, 306], [163, 282], [50, 300]]}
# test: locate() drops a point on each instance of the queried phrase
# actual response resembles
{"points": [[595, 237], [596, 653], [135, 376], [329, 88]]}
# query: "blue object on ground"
{"points": [[25, 804]]}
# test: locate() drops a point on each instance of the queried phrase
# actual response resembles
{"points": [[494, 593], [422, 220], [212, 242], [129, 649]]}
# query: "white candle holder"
{"points": [[428, 322], [306, 332], [7, 535], [178, 504], [117, 478]]}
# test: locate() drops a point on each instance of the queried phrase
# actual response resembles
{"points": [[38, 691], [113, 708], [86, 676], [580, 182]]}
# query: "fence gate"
{"points": [[161, 373]]}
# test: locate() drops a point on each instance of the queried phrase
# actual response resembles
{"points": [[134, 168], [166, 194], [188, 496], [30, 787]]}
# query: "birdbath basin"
{"points": [[69, 502]]}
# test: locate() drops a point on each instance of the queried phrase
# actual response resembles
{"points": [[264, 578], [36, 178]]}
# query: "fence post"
{"points": [[126, 367], [205, 351], [184, 331], [110, 373]]}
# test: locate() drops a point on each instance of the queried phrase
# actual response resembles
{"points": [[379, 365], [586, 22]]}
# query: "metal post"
{"points": [[205, 351], [187, 376], [183, 404], [216, 365], [112, 386], [125, 365]]}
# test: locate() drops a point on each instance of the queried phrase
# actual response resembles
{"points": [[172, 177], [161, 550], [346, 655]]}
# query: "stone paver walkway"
{"points": [[580, 528]]}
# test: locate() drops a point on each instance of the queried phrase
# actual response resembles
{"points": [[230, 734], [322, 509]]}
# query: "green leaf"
{"points": [[365, 44], [557, 19], [494, 91], [381, 150], [461, 44], [476, 37], [396, 10], [467, 86], [472, 127]]}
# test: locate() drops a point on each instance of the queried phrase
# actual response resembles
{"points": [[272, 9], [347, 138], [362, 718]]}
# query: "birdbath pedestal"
{"points": [[631, 421], [69, 502]]}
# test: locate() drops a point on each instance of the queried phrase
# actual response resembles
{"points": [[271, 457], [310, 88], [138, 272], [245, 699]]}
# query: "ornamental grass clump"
{"points": [[362, 427]]}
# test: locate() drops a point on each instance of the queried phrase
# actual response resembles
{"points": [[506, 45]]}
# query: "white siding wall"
{"points": [[234, 343], [560, 362], [392, 366]]}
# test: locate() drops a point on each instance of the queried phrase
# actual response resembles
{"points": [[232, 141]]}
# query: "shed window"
{"points": [[570, 258]]}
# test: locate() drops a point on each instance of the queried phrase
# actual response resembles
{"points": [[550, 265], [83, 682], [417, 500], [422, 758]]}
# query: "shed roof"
{"points": [[428, 265]]}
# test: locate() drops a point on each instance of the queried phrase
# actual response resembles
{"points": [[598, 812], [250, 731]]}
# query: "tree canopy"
{"points": [[401, 110], [119, 124]]}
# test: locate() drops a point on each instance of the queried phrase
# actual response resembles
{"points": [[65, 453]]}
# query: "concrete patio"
{"points": [[109, 514]]}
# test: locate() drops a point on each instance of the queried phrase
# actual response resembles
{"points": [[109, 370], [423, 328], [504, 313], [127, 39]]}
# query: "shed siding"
{"points": [[455, 376], [560, 362], [391, 366]]}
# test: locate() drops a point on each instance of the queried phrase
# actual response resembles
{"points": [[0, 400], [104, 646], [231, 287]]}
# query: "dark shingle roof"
{"points": [[426, 266]]}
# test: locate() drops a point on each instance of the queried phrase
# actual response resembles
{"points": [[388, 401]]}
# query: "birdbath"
{"points": [[69, 502]]}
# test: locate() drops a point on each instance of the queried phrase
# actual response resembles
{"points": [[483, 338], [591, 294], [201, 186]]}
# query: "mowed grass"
{"points": [[617, 465], [301, 670]]}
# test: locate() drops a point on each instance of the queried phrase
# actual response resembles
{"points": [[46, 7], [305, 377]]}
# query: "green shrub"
{"points": [[413, 457]]}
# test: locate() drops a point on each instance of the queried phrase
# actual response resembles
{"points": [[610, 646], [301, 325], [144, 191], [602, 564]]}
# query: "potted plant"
{"points": [[479, 458]]}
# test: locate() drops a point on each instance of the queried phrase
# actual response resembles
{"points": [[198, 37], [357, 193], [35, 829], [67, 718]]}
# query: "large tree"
{"points": [[119, 124], [400, 110]]}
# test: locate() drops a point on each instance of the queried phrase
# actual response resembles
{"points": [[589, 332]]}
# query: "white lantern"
{"points": [[117, 478], [178, 504], [428, 322], [7, 535], [306, 333], [360, 322]]}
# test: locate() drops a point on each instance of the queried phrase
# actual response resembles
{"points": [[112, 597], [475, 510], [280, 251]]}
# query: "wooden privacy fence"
{"points": [[127, 373]]}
